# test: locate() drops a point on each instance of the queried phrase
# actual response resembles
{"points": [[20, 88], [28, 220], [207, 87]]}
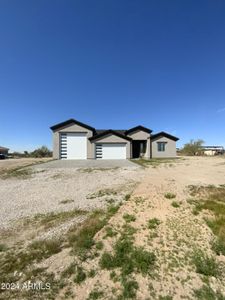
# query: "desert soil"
{"points": [[177, 236], [173, 241]]}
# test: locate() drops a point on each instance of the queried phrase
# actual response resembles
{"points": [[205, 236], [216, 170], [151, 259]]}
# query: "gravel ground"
{"points": [[47, 187], [89, 163]]}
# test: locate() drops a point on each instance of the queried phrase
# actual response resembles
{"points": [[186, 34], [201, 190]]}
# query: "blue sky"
{"points": [[112, 64]]}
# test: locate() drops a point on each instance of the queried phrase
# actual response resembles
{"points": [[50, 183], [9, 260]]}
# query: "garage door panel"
{"points": [[73, 146], [111, 151]]}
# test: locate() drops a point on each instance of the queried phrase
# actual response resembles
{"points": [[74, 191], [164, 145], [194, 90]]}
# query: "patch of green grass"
{"points": [[154, 162], [110, 232], [95, 294], [70, 270], [55, 218], [102, 193], [207, 293], [129, 218], [213, 199], [66, 201], [19, 261], [99, 245], [175, 204], [92, 273], [82, 239], [3, 247], [128, 258], [130, 288], [153, 223], [205, 265], [218, 246], [170, 195], [80, 275], [19, 173]]}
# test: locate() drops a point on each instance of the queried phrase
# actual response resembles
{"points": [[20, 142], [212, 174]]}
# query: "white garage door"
{"points": [[73, 145], [111, 151]]}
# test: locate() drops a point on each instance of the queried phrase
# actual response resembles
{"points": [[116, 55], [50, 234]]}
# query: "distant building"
{"points": [[213, 150], [4, 150]]}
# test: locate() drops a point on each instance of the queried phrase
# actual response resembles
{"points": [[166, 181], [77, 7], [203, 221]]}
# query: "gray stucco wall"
{"points": [[71, 128], [110, 138], [170, 148]]}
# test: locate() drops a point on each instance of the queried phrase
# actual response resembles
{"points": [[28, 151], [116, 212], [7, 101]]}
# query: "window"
{"points": [[161, 146]]}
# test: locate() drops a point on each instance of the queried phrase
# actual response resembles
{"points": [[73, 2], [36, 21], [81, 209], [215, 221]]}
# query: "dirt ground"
{"points": [[159, 192], [178, 234]]}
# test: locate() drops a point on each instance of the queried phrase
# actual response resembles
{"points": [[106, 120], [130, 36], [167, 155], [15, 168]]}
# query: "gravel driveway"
{"points": [[89, 163], [57, 181]]}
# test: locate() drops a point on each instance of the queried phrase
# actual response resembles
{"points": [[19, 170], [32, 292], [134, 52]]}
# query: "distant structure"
{"points": [[4, 150], [213, 150]]}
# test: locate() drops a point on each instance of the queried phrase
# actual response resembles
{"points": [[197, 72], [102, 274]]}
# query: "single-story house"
{"points": [[75, 140], [4, 150]]}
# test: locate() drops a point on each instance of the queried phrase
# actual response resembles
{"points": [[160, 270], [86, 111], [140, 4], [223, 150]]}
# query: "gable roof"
{"points": [[110, 131], [164, 134], [136, 128], [71, 121]]}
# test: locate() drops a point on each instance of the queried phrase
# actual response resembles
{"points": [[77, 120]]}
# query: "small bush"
{"points": [[129, 218], [170, 196], [80, 276], [127, 197], [175, 204], [99, 245], [153, 223], [219, 246], [129, 289], [206, 293], [110, 232], [95, 294], [205, 265]]}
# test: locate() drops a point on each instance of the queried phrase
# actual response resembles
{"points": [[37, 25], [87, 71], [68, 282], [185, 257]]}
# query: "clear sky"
{"points": [[112, 64]]}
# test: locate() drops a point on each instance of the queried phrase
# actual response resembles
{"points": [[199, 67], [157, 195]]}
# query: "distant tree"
{"points": [[194, 147], [41, 152], [26, 153]]}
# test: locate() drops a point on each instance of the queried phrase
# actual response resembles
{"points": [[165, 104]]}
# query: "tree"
{"points": [[41, 152], [194, 147]]}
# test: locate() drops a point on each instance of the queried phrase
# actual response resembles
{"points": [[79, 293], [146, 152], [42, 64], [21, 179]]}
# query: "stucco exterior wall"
{"points": [[71, 128], [114, 139], [139, 135], [170, 148]]}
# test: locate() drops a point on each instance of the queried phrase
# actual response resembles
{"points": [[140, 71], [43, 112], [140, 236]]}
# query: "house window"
{"points": [[161, 146]]}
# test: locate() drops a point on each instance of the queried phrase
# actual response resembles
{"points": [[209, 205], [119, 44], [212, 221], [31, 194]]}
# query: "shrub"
{"points": [[175, 204], [129, 218], [205, 265], [41, 152], [219, 246], [153, 223], [206, 293], [80, 276], [170, 195]]}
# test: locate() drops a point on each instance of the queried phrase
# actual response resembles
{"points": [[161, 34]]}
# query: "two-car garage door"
{"points": [[111, 151], [73, 145]]}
